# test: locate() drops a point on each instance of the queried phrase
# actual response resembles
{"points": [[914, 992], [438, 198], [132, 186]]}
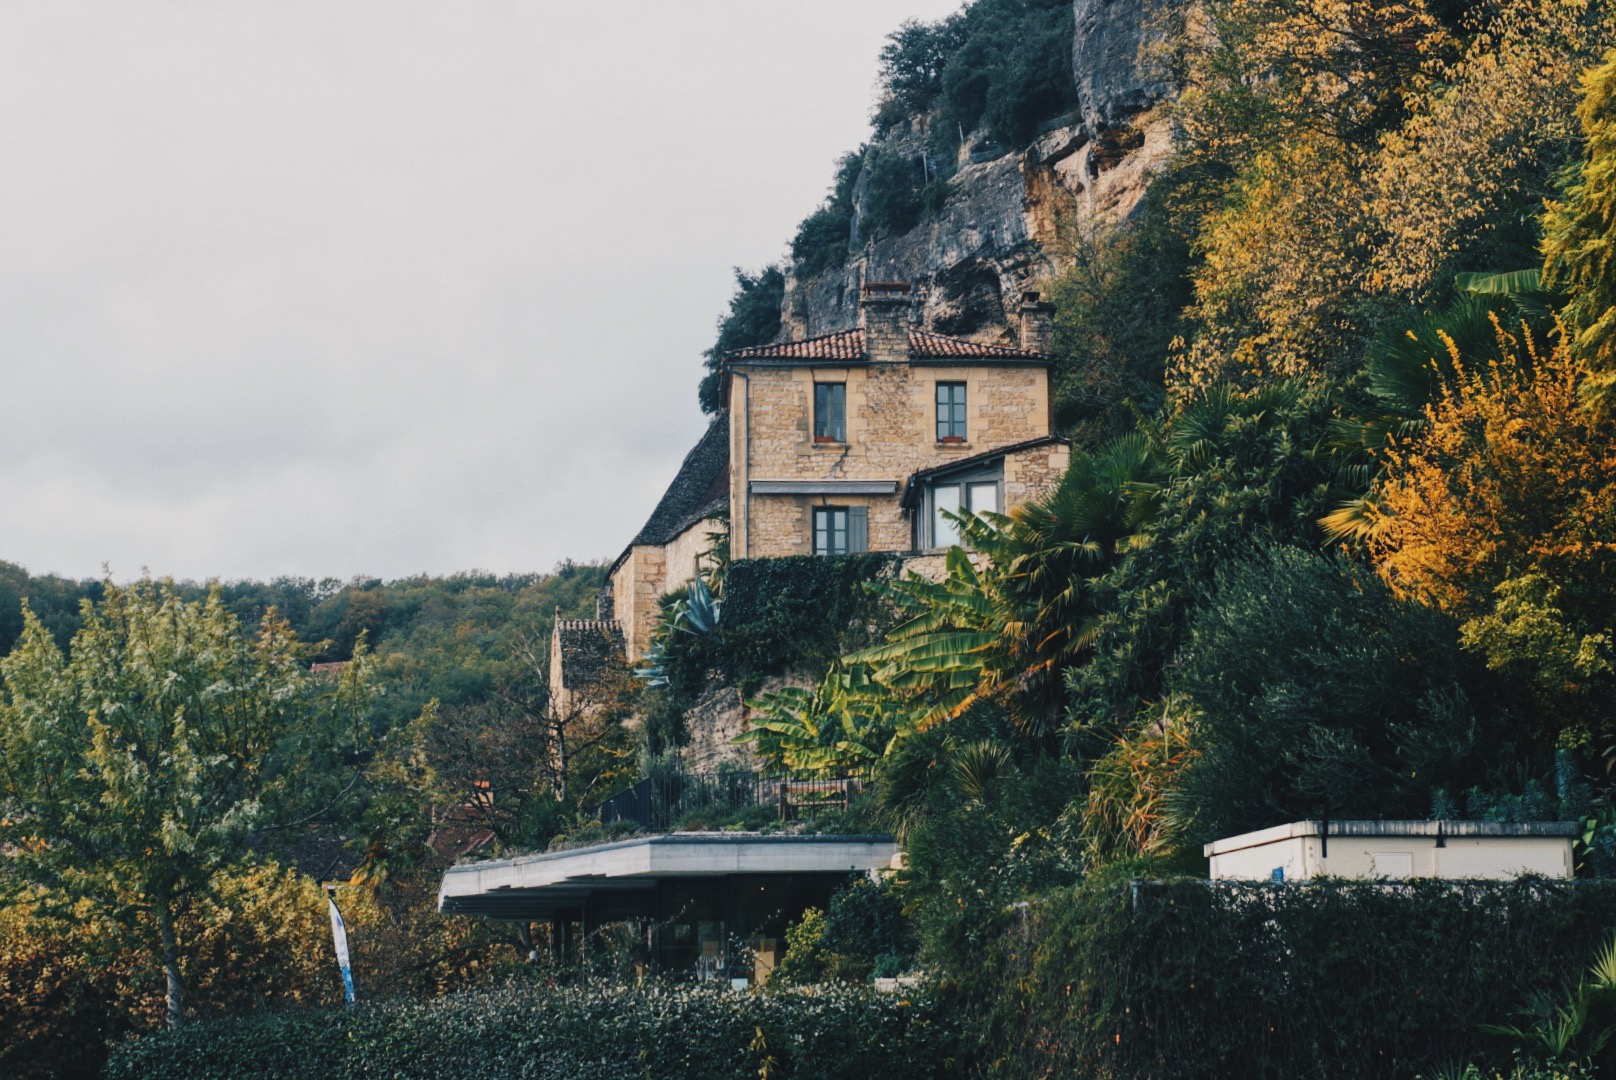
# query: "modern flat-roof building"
{"points": [[1393, 850], [697, 898]]}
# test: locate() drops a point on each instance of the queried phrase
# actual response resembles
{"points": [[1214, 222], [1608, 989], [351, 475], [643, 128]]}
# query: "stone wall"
{"points": [[650, 572], [713, 722], [681, 554], [1030, 473], [891, 434], [637, 588]]}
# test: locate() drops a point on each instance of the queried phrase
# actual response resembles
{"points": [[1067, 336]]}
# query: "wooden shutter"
{"points": [[858, 529]]}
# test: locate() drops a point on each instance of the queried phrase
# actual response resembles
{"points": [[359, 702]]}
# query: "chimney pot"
{"points": [[884, 311], [1037, 323]]}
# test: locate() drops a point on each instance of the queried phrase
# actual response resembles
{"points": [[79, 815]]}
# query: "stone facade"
{"points": [[648, 572], [891, 430], [582, 651]]}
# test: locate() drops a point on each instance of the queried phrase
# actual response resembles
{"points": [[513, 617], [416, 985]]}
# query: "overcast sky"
{"points": [[389, 287]]}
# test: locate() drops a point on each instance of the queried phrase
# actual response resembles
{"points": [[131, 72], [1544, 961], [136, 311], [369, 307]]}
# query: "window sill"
{"points": [[828, 445], [953, 445]]}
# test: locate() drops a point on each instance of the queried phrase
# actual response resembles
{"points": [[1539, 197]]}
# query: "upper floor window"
{"points": [[830, 412], [950, 412], [841, 530]]}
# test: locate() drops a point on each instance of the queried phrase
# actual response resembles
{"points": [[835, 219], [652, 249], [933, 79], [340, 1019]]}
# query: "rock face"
{"points": [[1002, 226], [1116, 78]]}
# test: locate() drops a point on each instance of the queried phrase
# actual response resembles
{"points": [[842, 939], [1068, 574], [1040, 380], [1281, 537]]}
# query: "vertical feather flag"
{"points": [[339, 936]]}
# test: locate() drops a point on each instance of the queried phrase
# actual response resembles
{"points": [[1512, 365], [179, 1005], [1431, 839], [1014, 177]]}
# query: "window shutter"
{"points": [[858, 529]]}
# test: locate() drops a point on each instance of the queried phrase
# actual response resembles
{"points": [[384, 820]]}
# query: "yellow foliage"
{"points": [[1510, 478], [1128, 809]]}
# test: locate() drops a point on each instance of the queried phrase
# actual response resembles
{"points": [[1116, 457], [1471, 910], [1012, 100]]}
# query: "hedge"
{"points": [[795, 614], [1361, 979], [576, 1033]]}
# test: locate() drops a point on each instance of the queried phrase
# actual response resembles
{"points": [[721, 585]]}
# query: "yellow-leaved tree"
{"points": [[1504, 514]]}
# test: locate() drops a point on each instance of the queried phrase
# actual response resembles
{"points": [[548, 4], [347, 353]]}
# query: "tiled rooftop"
{"points": [[849, 345]]}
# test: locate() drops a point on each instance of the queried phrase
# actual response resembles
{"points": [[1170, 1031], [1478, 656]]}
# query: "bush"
{"points": [[1336, 978], [795, 614], [569, 1034], [1319, 693], [893, 182]]}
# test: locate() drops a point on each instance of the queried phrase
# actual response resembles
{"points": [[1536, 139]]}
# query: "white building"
{"points": [[1392, 850]]}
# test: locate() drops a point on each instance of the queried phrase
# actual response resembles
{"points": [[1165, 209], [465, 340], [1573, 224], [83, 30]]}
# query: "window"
{"points": [[830, 412], [841, 530], [950, 412], [977, 494]]}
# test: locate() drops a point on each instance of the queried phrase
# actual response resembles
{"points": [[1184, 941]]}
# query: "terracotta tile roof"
{"points": [[849, 345]]}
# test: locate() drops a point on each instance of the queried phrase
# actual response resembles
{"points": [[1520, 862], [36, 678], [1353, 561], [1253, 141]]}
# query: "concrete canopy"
{"points": [[620, 879]]}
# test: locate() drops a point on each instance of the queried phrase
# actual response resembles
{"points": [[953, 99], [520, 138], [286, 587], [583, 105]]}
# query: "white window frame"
{"points": [[928, 526]]}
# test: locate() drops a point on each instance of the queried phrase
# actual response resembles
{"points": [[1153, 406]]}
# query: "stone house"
{"points": [[862, 440]]}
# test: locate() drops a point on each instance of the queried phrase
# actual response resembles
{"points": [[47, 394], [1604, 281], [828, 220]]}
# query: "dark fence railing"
{"points": [[663, 801]]}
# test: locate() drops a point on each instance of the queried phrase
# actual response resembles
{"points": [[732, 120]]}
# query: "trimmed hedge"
{"points": [[1170, 980], [670, 1033]]}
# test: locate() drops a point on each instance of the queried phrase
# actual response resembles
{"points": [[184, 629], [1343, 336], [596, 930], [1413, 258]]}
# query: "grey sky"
{"points": [[386, 287]]}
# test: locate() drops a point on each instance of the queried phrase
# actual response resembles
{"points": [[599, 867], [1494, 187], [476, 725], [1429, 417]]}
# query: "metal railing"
{"points": [[660, 802]]}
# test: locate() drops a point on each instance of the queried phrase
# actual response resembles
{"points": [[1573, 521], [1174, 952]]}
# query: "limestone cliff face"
{"points": [[1001, 227]]}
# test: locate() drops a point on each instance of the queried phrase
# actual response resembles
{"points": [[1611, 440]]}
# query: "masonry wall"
{"points": [[637, 589], [682, 552], [891, 433]]}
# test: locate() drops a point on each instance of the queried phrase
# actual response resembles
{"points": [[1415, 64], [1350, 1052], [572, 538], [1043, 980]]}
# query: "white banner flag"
{"points": [[339, 935]]}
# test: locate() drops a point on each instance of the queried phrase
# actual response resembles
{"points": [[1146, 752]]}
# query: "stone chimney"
{"points": [[884, 311], [1037, 323]]}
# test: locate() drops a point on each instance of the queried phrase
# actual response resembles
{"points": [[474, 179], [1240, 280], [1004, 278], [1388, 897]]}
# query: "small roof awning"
{"points": [[823, 487], [532, 886]]}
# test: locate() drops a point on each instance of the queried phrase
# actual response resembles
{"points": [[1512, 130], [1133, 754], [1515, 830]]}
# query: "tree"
{"points": [[1316, 692], [753, 319], [134, 769], [1502, 514], [1579, 235]]}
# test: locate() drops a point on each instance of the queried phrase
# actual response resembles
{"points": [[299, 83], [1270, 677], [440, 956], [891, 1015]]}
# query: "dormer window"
{"points": [[950, 412], [830, 412], [976, 493]]}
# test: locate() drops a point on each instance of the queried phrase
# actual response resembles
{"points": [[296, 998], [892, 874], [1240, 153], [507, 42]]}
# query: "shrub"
{"points": [[1336, 978], [667, 1032], [793, 614]]}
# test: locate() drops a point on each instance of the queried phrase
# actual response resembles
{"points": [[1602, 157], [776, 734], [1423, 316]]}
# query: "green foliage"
{"points": [[589, 1033], [1578, 235], [1234, 467], [894, 179], [1118, 309], [1579, 1027], [136, 768], [822, 239], [798, 613], [753, 319], [73, 981], [1320, 694], [860, 929], [1337, 978], [976, 844], [912, 63], [1005, 65]]}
